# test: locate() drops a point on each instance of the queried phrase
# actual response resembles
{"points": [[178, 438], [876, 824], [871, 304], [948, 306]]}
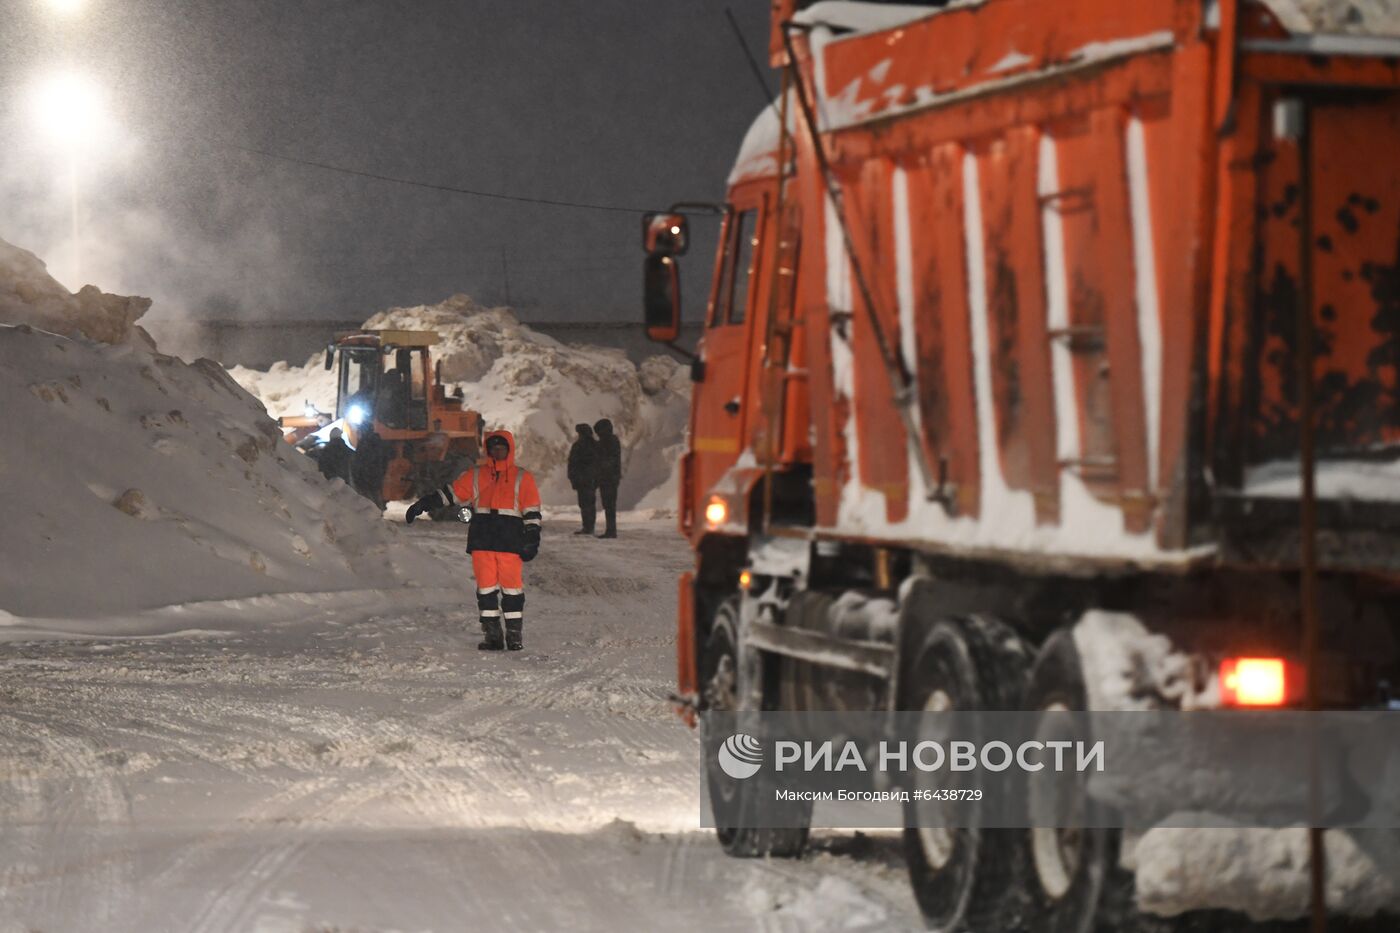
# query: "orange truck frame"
{"points": [[1004, 340]]}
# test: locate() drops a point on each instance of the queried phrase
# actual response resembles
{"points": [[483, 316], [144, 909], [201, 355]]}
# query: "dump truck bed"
{"points": [[1083, 233]]}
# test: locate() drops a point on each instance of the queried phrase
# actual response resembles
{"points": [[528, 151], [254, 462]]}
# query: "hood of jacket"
{"points": [[603, 427], [509, 461], [584, 431]]}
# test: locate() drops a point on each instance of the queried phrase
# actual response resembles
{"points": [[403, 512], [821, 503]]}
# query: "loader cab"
{"points": [[383, 382]]}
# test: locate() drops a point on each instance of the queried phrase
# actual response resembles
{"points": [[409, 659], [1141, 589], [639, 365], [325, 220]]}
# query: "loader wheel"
{"points": [[750, 800], [1074, 875], [966, 878]]}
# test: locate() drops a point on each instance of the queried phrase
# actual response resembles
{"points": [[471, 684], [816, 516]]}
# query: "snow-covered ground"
{"points": [[364, 767], [532, 385]]}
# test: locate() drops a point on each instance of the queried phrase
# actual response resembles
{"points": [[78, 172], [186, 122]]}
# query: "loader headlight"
{"points": [[358, 414]]}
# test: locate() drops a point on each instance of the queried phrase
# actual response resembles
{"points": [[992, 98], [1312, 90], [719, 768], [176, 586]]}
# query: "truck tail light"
{"points": [[1254, 682], [716, 511]]}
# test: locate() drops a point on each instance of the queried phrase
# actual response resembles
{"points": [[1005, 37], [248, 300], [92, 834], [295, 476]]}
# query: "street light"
{"points": [[69, 110], [65, 7]]}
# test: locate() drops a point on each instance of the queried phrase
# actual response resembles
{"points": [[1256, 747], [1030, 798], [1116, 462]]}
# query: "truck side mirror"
{"points": [[665, 234], [662, 298], [330, 357]]}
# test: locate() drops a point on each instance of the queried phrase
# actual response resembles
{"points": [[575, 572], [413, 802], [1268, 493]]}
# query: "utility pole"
{"points": [[505, 278]]}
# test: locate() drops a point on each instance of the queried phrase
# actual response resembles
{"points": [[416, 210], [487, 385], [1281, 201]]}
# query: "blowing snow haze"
{"points": [[612, 103]]}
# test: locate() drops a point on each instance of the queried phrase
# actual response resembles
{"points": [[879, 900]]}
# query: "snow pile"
{"points": [[1126, 667], [1366, 480], [834, 903], [533, 385], [29, 295], [131, 480], [1351, 17], [1262, 873]]}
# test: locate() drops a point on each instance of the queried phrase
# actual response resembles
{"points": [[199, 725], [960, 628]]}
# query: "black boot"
{"points": [[584, 531], [610, 533], [514, 634], [491, 628]]}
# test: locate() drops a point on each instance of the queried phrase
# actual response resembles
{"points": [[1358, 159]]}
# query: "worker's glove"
{"points": [[530, 552], [421, 506]]}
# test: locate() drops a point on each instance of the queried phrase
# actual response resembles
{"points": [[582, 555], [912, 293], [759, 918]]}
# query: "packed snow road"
{"points": [[372, 770]]}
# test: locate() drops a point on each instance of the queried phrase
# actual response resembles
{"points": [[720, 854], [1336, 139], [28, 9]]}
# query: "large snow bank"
{"points": [[533, 385], [131, 480], [29, 295]]}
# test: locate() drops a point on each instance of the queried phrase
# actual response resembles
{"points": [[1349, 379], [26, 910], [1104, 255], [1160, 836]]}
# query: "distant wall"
{"points": [[259, 344]]}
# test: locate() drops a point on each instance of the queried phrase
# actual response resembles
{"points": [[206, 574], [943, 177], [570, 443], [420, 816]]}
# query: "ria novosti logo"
{"points": [[740, 756]]}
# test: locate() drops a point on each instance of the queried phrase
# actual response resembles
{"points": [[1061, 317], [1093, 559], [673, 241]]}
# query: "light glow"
{"points": [[357, 414], [69, 108], [745, 579], [716, 511], [1253, 682], [65, 7]]}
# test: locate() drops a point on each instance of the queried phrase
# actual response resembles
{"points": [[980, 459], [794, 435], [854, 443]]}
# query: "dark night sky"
{"points": [[629, 102]]}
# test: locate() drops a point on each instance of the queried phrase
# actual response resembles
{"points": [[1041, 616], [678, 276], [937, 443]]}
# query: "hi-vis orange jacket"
{"points": [[504, 501]]}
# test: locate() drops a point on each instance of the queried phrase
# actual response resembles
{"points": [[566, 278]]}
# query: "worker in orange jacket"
{"points": [[502, 504]]}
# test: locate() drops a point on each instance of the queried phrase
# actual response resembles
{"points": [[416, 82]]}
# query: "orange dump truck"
{"points": [[1004, 338]]}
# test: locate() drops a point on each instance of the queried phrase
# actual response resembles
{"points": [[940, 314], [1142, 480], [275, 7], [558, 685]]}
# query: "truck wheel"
{"points": [[1073, 873], [965, 878], [723, 687]]}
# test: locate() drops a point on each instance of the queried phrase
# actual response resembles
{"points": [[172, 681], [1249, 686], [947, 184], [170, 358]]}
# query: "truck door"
{"points": [[721, 398]]}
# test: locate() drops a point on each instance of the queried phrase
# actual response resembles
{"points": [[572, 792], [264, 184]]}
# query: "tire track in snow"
{"points": [[231, 904]]}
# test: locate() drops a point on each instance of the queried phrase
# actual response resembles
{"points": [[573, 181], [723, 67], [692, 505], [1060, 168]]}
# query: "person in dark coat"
{"points": [[367, 466], [609, 473], [333, 459], [583, 476]]}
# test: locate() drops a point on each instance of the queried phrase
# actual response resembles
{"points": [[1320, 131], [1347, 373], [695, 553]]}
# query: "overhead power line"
{"points": [[431, 186]]}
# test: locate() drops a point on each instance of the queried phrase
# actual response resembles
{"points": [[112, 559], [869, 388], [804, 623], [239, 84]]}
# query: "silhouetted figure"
{"points": [[583, 476], [333, 460], [367, 467], [609, 473]]}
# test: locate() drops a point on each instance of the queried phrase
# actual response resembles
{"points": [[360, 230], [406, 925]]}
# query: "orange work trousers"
{"points": [[498, 569], [499, 572]]}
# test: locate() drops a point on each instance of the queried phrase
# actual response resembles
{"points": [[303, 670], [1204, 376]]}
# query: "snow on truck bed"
{"points": [[533, 385], [130, 480]]}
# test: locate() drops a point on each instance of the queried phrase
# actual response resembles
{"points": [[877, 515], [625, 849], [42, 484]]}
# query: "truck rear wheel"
{"points": [[724, 688], [967, 877], [1074, 875]]}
